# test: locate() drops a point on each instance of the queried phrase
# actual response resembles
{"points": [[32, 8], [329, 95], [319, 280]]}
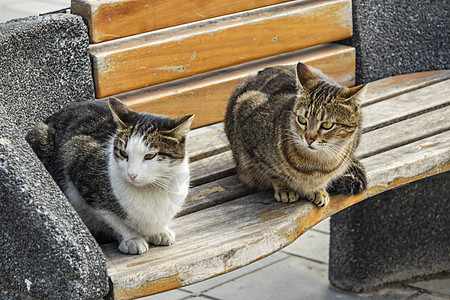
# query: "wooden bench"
{"points": [[224, 225], [189, 61]]}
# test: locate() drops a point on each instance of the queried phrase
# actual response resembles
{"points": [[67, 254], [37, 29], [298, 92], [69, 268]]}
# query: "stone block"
{"points": [[45, 66], [395, 37], [404, 233], [46, 250], [395, 236]]}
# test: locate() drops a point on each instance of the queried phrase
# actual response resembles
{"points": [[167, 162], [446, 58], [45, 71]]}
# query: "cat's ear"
{"points": [[354, 94], [304, 74], [122, 114], [180, 128]]}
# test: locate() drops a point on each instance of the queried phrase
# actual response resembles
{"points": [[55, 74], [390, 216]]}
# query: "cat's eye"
{"points": [[149, 156], [123, 154], [327, 125], [302, 120]]}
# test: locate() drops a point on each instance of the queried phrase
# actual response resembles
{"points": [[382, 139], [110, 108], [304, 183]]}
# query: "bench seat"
{"points": [[224, 225]]}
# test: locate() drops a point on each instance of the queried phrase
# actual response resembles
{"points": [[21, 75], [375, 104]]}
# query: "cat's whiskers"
{"points": [[336, 153]]}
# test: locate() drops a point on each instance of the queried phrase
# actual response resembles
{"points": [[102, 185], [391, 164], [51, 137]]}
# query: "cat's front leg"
{"points": [[320, 198], [130, 242], [164, 238], [352, 182], [136, 245], [283, 193]]}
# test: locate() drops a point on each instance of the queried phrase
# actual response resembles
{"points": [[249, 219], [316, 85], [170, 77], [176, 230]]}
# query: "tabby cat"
{"points": [[125, 173], [295, 129]]}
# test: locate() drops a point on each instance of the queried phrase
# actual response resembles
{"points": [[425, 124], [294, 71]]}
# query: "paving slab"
{"points": [[234, 275], [293, 278], [170, 295], [441, 286], [323, 226], [9, 14], [312, 245], [427, 297]]}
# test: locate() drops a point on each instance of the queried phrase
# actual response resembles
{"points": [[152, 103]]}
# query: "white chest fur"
{"points": [[150, 208]]}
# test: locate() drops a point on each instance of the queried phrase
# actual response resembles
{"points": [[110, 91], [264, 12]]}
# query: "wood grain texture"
{"points": [[405, 106], [165, 55], [114, 19], [225, 225], [207, 95]]}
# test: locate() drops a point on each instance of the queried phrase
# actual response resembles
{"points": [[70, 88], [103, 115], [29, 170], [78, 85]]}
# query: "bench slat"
{"points": [[168, 54], [401, 133], [207, 94], [405, 106], [222, 238], [120, 18]]}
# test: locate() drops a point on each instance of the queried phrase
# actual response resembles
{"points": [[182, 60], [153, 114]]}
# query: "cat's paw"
{"points": [[321, 198], [133, 246], [286, 195], [164, 238], [348, 185]]}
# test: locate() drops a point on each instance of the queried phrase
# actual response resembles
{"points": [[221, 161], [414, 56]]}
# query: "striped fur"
{"points": [[276, 124], [125, 173]]}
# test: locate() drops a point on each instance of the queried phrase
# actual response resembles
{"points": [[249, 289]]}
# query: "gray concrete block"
{"points": [[45, 65], [397, 37], [46, 250], [404, 233], [395, 236]]}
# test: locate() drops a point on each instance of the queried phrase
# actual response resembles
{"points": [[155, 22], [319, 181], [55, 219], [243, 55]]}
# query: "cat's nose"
{"points": [[132, 176], [309, 140]]}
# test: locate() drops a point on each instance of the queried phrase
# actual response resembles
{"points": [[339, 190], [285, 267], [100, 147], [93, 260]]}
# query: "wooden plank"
{"points": [[219, 239], [402, 133], [165, 55], [377, 91], [114, 19], [405, 106], [214, 193], [207, 95], [397, 85]]}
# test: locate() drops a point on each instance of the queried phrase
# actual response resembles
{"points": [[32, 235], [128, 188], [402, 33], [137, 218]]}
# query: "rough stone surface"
{"points": [[44, 66], [397, 235], [395, 37], [400, 234], [46, 251]]}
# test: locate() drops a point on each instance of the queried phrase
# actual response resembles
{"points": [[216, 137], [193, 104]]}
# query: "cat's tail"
{"points": [[42, 140]]}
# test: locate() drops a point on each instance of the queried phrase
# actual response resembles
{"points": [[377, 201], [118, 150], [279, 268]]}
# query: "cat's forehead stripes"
{"points": [[323, 93]]}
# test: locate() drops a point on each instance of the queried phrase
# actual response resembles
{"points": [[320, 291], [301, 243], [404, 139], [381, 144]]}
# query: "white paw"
{"points": [[286, 195], [321, 198], [133, 246], [164, 238]]}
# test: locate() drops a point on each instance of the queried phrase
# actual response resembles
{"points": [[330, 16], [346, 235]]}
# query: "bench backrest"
{"points": [[180, 57]]}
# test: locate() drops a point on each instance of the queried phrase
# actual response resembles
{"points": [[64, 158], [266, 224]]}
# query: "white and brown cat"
{"points": [[126, 173]]}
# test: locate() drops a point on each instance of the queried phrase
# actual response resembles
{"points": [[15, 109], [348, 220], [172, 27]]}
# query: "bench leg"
{"points": [[395, 236]]}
